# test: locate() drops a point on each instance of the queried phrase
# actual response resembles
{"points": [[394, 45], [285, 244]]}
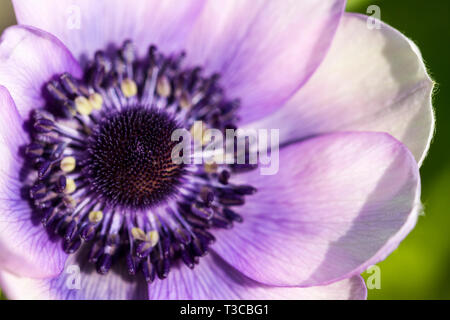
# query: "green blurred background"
{"points": [[419, 268]]}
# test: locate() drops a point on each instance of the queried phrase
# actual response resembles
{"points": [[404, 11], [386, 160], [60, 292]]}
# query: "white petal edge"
{"points": [[371, 80]]}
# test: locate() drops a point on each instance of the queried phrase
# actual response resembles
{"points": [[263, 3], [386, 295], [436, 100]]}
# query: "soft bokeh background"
{"points": [[419, 268]]}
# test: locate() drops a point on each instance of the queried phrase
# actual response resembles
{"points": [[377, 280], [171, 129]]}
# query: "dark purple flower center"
{"points": [[129, 158], [105, 179]]}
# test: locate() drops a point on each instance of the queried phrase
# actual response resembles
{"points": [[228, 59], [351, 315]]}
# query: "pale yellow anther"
{"points": [[163, 87], [185, 101], [83, 106], [211, 167], [138, 234], [70, 186], [95, 216], [129, 88], [198, 132], [70, 202], [153, 237], [96, 101], [68, 164]]}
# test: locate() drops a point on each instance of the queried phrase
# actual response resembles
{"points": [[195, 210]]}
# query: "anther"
{"points": [[96, 101], [68, 164], [129, 88], [153, 237], [198, 132], [83, 106], [163, 88], [95, 216], [70, 186], [69, 202], [185, 101], [138, 234]]}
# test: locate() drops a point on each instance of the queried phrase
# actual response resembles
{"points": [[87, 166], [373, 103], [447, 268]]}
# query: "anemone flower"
{"points": [[93, 207]]}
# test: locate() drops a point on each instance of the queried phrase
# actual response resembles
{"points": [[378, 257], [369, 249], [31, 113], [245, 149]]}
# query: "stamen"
{"points": [[96, 101], [83, 106], [105, 177], [68, 164], [163, 87], [129, 88], [70, 186], [95, 216]]}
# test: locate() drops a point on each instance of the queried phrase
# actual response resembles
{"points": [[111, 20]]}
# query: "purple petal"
{"points": [[78, 281], [211, 279], [86, 26], [338, 204], [264, 50], [29, 58], [25, 247], [375, 82], [215, 279]]}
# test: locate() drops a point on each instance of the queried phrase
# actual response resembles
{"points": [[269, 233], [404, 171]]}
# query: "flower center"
{"points": [[103, 171], [130, 158]]}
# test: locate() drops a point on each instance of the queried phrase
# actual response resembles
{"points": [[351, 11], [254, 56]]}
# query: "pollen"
{"points": [[153, 237], [163, 88], [95, 216], [70, 202], [83, 106], [129, 88], [68, 164], [96, 101], [70, 186], [198, 132], [138, 234]]}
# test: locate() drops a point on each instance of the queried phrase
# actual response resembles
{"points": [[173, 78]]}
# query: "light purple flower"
{"points": [[353, 106]]}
